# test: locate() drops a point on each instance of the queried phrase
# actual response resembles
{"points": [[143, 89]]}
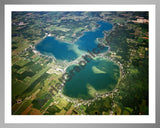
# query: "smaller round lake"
{"points": [[99, 75]]}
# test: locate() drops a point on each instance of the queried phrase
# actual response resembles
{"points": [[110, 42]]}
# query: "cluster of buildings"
{"points": [[140, 20]]}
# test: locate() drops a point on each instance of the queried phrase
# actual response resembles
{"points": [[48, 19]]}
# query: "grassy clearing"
{"points": [[24, 105], [36, 76], [47, 104], [62, 112], [22, 62]]}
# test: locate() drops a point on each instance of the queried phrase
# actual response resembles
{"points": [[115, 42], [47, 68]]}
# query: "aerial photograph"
{"points": [[80, 63]]}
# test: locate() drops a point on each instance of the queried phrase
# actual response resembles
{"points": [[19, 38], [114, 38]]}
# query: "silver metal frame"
{"points": [[2, 65]]}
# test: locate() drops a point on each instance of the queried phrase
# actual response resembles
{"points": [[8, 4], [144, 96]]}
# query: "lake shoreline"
{"points": [[102, 56]]}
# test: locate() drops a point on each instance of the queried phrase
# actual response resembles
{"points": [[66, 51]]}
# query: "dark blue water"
{"points": [[88, 40], [60, 50], [65, 51]]}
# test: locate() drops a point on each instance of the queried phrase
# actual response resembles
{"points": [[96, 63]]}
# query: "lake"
{"points": [[99, 76], [69, 52]]}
